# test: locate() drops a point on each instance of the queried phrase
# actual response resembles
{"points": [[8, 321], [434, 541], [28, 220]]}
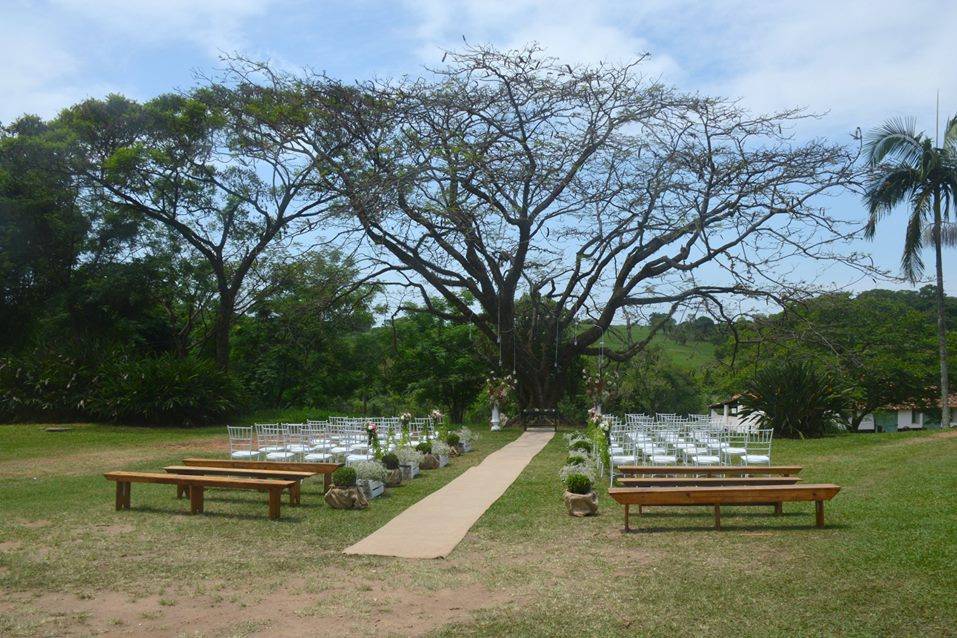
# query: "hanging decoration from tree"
{"points": [[373, 431]]}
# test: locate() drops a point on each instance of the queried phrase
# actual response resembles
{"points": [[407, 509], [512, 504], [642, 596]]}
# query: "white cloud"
{"points": [[214, 26], [858, 60]]}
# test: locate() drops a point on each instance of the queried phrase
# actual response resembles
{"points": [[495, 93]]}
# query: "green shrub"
{"points": [[163, 390], [425, 447], [794, 398], [576, 459], [42, 386], [390, 461], [581, 444], [452, 439], [578, 484], [344, 477]]}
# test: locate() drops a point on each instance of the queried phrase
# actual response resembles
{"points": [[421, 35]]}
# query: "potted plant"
{"points": [[454, 442], [393, 471], [344, 494], [442, 452], [467, 438], [429, 460], [580, 498], [370, 478], [409, 459]]}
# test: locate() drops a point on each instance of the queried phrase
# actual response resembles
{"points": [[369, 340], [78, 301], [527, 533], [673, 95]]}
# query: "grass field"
{"points": [[71, 565]]}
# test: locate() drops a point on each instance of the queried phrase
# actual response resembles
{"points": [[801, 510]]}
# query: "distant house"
{"points": [[728, 411], [905, 416]]}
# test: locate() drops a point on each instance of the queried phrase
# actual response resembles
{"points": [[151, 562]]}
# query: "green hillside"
{"points": [[692, 354]]}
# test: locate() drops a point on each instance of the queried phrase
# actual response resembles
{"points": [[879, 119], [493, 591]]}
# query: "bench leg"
{"points": [[295, 493], [196, 499], [717, 517], [122, 495], [778, 508], [627, 528], [275, 498], [326, 482], [819, 513]]}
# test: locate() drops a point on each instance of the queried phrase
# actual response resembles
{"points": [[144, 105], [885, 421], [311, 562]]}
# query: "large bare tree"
{"points": [[543, 200]]}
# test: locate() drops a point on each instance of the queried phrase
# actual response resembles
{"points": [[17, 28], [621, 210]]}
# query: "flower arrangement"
{"points": [[583, 470], [467, 436], [425, 447], [437, 415], [498, 389], [370, 471], [408, 455], [441, 448], [373, 432], [571, 437], [405, 418]]}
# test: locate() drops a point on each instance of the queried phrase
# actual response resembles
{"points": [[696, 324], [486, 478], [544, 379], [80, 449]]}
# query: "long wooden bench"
{"points": [[326, 469], [196, 485], [710, 470], [718, 496], [295, 491], [709, 481]]}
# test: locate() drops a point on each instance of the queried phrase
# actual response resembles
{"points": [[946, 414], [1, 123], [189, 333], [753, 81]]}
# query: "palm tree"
{"points": [[906, 166]]}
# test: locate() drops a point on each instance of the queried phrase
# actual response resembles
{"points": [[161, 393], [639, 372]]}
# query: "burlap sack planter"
{"points": [[346, 498], [371, 489], [429, 462], [409, 470], [394, 478], [581, 504]]}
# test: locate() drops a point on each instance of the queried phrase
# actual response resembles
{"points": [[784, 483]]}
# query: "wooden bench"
{"points": [[709, 481], [730, 495], [326, 469], [711, 470], [196, 485], [295, 491]]}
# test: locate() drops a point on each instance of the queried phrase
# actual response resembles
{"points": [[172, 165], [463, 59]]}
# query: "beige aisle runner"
{"points": [[433, 527]]}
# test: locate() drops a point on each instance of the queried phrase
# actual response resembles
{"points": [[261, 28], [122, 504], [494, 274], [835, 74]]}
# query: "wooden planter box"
{"points": [[371, 489], [466, 447], [443, 459], [409, 471]]}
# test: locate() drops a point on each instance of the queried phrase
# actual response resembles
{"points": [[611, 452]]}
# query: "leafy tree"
{"points": [[651, 383], [217, 167], [795, 399], [438, 362], [880, 344], [906, 167]]}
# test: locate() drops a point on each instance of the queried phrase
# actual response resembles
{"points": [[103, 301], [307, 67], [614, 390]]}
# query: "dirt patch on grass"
{"points": [[41, 522], [355, 605], [106, 460], [10, 546]]}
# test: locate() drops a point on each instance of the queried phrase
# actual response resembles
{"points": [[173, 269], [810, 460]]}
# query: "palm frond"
{"points": [[889, 186], [911, 262], [950, 135], [896, 139], [948, 234]]}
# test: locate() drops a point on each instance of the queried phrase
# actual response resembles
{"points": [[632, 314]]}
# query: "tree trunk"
{"points": [[941, 320], [224, 323]]}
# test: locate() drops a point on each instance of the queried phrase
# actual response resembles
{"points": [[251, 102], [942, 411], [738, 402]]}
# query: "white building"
{"points": [[906, 416]]}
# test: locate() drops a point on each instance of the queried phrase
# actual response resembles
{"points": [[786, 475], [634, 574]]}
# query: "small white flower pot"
{"points": [[443, 459], [409, 471], [466, 446]]}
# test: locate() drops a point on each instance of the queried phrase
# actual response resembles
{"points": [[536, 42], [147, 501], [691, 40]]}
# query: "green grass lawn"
{"points": [[71, 565]]}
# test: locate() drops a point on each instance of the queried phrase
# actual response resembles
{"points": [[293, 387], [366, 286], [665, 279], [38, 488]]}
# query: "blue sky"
{"points": [[857, 63]]}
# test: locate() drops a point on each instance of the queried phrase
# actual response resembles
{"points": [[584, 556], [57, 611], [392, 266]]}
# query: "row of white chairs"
{"points": [[643, 440], [340, 439]]}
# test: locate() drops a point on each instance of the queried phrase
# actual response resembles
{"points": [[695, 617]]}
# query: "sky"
{"points": [[856, 63]]}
